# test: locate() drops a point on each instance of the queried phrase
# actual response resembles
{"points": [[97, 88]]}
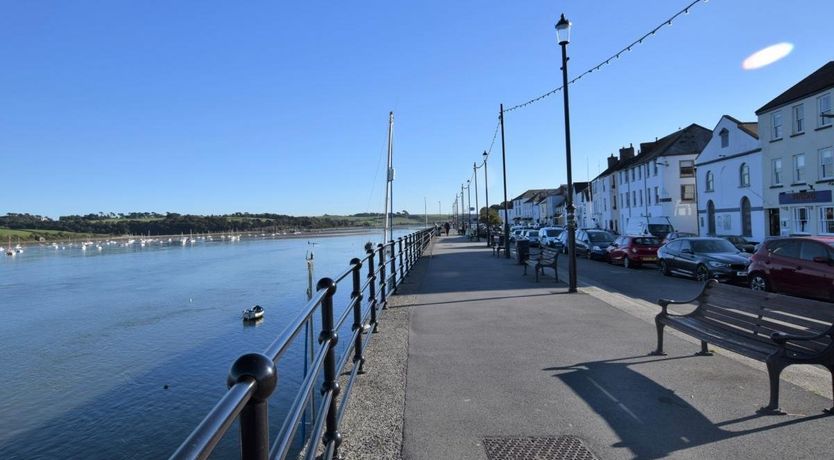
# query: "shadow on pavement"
{"points": [[650, 419]]}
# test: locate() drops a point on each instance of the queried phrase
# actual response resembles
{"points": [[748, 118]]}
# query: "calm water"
{"points": [[89, 339]]}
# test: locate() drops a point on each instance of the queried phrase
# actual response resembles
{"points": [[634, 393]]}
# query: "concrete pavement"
{"points": [[492, 354]]}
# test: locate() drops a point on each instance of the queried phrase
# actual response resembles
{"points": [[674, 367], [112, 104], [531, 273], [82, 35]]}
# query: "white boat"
{"points": [[253, 314]]}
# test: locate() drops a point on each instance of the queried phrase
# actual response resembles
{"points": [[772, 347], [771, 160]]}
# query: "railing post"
{"points": [[393, 261], [358, 328], [372, 288], [331, 380], [402, 271], [383, 280], [408, 253], [254, 418]]}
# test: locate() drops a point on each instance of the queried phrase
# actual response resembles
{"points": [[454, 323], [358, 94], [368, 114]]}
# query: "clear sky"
{"points": [[264, 106]]}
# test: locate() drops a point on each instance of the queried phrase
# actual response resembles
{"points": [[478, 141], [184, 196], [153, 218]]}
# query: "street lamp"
{"points": [[563, 38], [477, 208], [486, 205], [468, 205]]}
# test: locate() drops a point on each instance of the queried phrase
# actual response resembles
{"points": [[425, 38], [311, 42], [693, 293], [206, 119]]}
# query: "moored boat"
{"points": [[253, 314]]}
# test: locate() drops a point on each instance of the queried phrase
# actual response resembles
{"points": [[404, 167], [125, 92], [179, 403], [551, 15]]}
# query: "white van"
{"points": [[656, 226]]}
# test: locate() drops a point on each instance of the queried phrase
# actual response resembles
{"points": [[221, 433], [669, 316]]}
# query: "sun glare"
{"points": [[767, 56]]}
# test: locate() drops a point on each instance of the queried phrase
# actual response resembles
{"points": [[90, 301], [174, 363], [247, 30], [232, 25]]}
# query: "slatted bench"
{"points": [[546, 258], [775, 329]]}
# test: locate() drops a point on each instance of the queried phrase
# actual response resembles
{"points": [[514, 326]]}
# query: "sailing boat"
{"points": [[9, 251]]}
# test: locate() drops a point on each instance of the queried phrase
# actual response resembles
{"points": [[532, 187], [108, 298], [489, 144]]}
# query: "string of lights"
{"points": [[615, 56], [494, 136]]}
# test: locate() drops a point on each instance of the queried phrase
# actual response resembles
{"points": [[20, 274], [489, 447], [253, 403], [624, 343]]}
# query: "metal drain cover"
{"points": [[537, 448]]}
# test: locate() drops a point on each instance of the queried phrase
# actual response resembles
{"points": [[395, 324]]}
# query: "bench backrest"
{"points": [[549, 255], [758, 314]]}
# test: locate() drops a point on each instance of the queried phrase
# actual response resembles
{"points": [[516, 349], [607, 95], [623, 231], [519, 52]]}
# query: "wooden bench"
{"points": [[775, 329], [546, 258]]}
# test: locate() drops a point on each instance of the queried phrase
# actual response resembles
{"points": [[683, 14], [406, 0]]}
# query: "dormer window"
{"points": [[725, 137]]}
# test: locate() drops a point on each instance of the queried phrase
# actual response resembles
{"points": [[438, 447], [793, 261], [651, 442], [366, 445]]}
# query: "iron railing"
{"points": [[253, 377]]}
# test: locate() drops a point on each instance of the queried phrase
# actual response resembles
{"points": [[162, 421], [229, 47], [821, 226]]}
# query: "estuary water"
{"points": [[119, 352]]}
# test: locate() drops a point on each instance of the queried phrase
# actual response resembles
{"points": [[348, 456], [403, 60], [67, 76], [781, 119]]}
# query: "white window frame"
{"points": [[725, 137], [826, 173], [684, 188], [798, 112], [799, 170], [710, 182], [691, 166], [823, 106], [744, 175], [800, 225], [776, 173], [776, 125], [827, 224]]}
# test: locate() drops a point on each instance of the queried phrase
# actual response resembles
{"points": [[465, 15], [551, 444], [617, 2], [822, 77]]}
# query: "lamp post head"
{"points": [[485, 154], [563, 30]]}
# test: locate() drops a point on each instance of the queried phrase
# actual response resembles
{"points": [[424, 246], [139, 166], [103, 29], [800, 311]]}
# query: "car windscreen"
{"points": [[658, 229], [645, 241], [553, 232], [712, 246], [597, 237]]}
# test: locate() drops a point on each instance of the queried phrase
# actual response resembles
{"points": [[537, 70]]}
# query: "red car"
{"points": [[801, 266], [633, 251]]}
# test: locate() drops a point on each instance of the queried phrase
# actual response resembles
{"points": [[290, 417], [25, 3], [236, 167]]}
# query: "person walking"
{"points": [[446, 227]]}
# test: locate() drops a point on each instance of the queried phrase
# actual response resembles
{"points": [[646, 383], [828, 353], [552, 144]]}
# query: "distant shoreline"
{"points": [[317, 233]]}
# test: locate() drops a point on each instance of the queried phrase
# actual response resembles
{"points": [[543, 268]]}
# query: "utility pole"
{"points": [[506, 204]]}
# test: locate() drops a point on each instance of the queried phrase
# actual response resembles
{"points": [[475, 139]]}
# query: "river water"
{"points": [[120, 352]]}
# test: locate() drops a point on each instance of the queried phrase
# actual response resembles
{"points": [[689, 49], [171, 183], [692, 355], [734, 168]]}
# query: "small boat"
{"points": [[253, 314]]}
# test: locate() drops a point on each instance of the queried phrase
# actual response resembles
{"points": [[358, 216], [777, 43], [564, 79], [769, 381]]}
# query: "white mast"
{"points": [[388, 231]]}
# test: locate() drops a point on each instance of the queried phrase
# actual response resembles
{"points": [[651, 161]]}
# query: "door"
{"points": [[814, 279], [781, 265], [710, 218], [686, 260], [773, 222], [746, 220]]}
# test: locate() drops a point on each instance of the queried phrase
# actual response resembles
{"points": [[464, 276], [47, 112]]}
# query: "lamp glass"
{"points": [[563, 30]]}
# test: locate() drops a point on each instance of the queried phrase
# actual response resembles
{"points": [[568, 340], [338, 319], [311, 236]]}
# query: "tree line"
{"points": [[170, 223]]}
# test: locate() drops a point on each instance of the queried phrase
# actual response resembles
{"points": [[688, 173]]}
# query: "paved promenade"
{"points": [[492, 355]]}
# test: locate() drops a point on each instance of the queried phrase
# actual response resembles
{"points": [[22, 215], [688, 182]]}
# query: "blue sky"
{"points": [[212, 107]]}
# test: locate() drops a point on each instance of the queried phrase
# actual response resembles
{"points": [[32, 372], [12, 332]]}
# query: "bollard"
{"points": [[331, 382], [254, 418], [383, 280], [356, 294]]}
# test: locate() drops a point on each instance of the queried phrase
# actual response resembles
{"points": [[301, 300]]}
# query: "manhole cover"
{"points": [[537, 448]]}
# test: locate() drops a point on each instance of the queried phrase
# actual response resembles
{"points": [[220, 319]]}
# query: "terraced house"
{"points": [[797, 141]]}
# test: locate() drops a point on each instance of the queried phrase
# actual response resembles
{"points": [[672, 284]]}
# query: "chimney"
{"points": [[612, 161], [626, 153]]}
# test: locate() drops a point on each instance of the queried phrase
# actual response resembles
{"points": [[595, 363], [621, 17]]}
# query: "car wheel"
{"points": [[759, 283], [664, 268], [701, 273], [588, 255]]}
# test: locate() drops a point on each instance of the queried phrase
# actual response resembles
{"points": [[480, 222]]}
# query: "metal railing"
{"points": [[253, 377]]}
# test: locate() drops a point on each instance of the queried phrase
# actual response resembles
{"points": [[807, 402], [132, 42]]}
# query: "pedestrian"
{"points": [[447, 226]]}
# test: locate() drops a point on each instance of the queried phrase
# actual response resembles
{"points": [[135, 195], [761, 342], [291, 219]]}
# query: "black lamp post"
{"points": [[468, 205], [563, 37], [477, 207]]}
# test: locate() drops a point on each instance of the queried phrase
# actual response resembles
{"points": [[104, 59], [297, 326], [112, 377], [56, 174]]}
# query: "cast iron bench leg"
{"points": [[704, 351], [775, 365], [659, 325]]}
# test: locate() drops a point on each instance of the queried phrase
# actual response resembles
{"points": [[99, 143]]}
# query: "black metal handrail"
{"points": [[253, 377]]}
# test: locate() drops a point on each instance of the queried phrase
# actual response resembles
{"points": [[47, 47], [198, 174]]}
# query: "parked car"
{"points": [[802, 266], [592, 243], [549, 236], [675, 235], [532, 236], [633, 250], [741, 243], [703, 258], [516, 232]]}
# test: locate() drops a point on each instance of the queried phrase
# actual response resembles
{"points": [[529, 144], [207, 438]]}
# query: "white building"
{"points": [[604, 212], [549, 203], [583, 205], [660, 180], [797, 141], [522, 211], [730, 182]]}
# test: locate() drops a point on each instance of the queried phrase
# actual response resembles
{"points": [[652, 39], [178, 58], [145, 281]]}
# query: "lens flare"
{"points": [[767, 56]]}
